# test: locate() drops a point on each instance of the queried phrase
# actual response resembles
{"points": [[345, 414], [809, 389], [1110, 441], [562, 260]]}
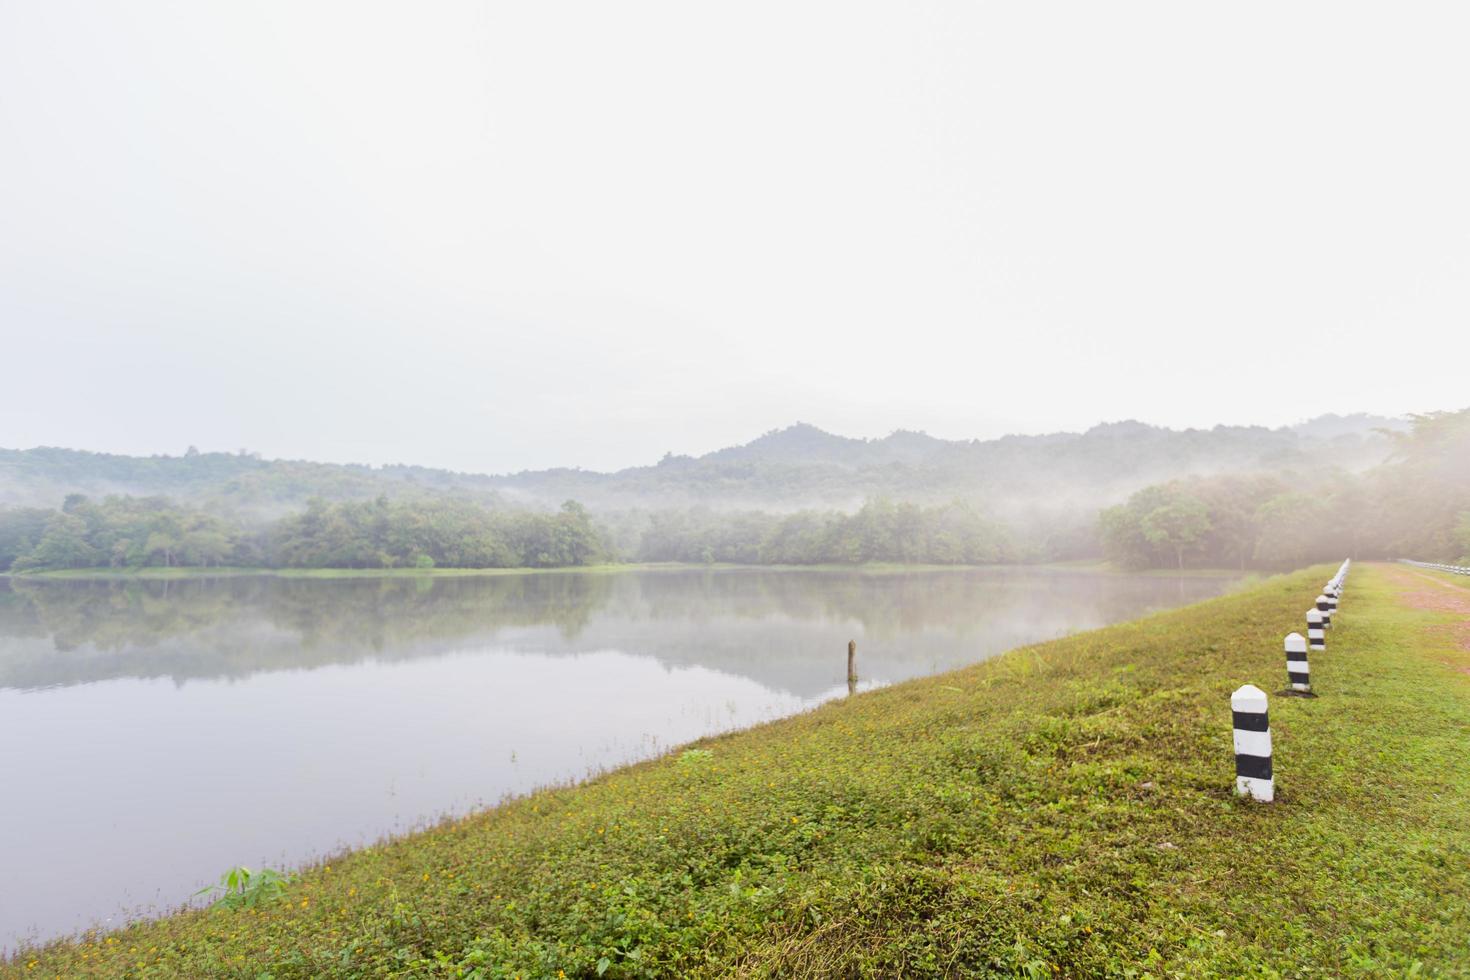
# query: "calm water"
{"points": [[153, 734]]}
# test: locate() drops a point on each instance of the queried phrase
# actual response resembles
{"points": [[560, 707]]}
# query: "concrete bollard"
{"points": [[1332, 601], [1252, 744], [1297, 671], [1326, 611], [1316, 638]]}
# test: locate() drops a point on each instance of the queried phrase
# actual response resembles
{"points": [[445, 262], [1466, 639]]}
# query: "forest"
{"points": [[880, 531], [1276, 512], [1416, 504], [132, 532]]}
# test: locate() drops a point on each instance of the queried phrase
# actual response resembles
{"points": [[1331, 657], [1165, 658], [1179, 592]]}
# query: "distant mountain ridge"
{"points": [[800, 465]]}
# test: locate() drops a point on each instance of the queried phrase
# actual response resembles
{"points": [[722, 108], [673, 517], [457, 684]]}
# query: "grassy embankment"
{"points": [[1063, 810]]}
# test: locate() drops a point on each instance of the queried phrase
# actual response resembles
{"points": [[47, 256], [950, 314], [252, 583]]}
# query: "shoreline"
{"points": [[1098, 567], [1089, 774]]}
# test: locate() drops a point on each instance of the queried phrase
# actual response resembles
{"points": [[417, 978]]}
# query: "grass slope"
{"points": [[1063, 810]]}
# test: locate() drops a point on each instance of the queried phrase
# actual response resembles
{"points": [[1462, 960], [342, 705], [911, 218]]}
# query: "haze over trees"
{"points": [[136, 532], [788, 469], [880, 531], [1415, 504], [1141, 496]]}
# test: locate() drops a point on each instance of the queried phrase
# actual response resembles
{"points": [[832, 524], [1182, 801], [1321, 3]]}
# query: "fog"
{"points": [[492, 237]]}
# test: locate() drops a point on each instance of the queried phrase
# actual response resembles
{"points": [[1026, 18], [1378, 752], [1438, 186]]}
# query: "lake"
{"points": [[155, 733]]}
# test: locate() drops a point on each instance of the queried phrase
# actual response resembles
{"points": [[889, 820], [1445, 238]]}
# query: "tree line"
{"points": [[880, 531], [137, 532]]}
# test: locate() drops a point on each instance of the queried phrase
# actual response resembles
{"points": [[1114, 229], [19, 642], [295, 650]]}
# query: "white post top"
{"points": [[1322, 597], [1296, 643], [1313, 616], [1249, 699]]}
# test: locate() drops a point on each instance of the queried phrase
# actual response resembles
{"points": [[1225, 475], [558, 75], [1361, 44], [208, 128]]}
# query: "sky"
{"points": [[498, 236]]}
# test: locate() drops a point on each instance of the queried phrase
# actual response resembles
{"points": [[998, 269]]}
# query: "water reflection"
{"points": [[153, 733], [784, 629]]}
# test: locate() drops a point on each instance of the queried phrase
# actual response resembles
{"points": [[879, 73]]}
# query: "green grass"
{"points": [[1064, 810]]}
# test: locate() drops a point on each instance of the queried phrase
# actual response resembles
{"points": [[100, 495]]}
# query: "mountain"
{"points": [[803, 465], [784, 469]]}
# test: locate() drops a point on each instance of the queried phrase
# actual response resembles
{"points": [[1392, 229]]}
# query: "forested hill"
{"points": [[785, 469], [805, 466], [1225, 497]]}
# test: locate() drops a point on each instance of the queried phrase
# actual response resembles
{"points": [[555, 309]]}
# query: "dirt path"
{"points": [[1421, 591]]}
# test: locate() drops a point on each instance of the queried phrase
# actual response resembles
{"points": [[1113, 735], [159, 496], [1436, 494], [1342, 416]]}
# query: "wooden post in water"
{"points": [[852, 666]]}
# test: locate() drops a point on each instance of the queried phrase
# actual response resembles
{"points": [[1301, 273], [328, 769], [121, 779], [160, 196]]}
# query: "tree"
{"points": [[1291, 527], [1156, 522], [20, 530], [1178, 522], [63, 545], [1122, 537]]}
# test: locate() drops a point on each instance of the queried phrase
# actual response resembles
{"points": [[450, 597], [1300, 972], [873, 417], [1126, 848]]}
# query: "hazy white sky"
{"points": [[503, 235]]}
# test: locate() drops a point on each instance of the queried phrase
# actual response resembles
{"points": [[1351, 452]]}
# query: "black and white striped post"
{"points": [[1316, 638], [1331, 600], [1326, 610], [1297, 671], [1252, 744]]}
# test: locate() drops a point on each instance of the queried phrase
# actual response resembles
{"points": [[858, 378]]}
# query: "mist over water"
{"points": [[154, 733]]}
